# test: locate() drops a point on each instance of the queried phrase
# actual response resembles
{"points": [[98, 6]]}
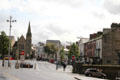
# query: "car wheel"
{"points": [[86, 74], [103, 77], [89, 75]]}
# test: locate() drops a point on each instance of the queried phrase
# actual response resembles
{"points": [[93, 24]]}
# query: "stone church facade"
{"points": [[23, 45]]}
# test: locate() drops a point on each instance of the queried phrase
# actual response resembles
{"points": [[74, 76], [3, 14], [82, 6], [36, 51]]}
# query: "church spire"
{"points": [[28, 41], [29, 30]]}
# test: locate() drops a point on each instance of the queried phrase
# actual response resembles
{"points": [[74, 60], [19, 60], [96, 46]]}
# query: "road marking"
{"points": [[10, 76]]}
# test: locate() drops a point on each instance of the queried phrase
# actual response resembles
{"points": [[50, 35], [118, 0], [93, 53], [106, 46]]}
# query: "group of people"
{"points": [[61, 63]]}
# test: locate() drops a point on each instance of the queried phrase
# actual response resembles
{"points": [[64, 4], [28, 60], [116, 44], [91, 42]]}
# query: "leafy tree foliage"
{"points": [[62, 54], [47, 49], [74, 51], [50, 49], [4, 44]]}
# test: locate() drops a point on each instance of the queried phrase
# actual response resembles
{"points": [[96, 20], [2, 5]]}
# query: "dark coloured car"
{"points": [[118, 76], [26, 65], [94, 73]]}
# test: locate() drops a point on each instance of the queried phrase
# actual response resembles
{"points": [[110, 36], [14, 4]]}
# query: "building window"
{"points": [[21, 46], [108, 61], [105, 38]]}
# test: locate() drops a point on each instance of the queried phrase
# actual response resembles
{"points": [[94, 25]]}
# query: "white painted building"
{"points": [[40, 49], [98, 52], [81, 47], [34, 50]]}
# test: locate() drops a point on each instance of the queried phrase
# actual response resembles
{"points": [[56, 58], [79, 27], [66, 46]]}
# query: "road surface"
{"points": [[42, 71]]}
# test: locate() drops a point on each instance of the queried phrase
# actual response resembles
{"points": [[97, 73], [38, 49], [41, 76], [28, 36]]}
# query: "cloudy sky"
{"points": [[63, 20]]}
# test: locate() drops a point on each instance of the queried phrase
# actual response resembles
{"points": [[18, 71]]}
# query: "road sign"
{"points": [[22, 53], [73, 57]]}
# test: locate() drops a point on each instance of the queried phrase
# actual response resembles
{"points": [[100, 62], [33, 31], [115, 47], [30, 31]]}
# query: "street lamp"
{"points": [[10, 21]]}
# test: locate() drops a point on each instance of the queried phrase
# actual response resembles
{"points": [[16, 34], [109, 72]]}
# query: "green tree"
{"points": [[47, 49], [62, 54], [50, 49], [74, 51], [4, 45]]}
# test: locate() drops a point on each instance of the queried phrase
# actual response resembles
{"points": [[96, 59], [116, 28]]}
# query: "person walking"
{"points": [[64, 64], [57, 65]]}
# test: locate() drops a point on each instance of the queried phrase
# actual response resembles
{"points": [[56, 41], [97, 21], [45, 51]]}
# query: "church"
{"points": [[23, 46]]}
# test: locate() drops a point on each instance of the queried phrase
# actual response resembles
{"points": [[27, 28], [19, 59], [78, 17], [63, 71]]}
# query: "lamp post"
{"points": [[10, 21]]}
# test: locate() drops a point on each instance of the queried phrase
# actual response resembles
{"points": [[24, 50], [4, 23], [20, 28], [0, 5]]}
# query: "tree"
{"points": [[62, 54], [4, 45], [47, 49], [50, 49], [74, 51]]}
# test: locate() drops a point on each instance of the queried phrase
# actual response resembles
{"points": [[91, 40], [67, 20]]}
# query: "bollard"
{"points": [[17, 65], [35, 66]]}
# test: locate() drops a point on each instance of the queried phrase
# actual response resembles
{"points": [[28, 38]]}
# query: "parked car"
{"points": [[26, 65], [10, 58], [118, 76], [51, 60], [94, 73], [6, 58]]}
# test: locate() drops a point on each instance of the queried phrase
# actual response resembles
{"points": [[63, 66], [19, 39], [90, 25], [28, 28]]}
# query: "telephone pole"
{"points": [[9, 51]]}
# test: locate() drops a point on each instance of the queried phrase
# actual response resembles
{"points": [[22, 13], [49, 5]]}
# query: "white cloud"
{"points": [[59, 19], [4, 4], [113, 6]]}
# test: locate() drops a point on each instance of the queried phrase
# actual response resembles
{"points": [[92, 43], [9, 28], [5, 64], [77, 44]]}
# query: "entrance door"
{"points": [[118, 57]]}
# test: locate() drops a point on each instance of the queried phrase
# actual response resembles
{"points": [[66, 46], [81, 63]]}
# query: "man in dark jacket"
{"points": [[64, 64]]}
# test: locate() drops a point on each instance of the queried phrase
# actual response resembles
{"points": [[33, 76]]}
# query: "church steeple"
{"points": [[29, 31], [28, 41]]}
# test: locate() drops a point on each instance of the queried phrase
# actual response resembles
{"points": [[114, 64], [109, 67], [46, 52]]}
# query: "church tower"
{"points": [[28, 42]]}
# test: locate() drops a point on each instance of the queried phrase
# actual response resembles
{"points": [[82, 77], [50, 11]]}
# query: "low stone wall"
{"points": [[110, 70]]}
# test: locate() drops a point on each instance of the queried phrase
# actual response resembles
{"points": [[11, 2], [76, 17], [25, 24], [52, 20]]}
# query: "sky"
{"points": [[64, 20]]}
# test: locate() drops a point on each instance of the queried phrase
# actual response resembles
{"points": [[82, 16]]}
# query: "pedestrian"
{"points": [[64, 64], [73, 62], [57, 65], [3, 63]]}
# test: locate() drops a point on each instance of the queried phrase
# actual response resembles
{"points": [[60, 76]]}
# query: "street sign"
{"points": [[22, 53], [73, 57], [22, 56]]}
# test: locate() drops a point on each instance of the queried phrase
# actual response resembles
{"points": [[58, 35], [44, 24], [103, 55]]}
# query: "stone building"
{"points": [[12, 39], [23, 45], [104, 47], [89, 49], [111, 45], [93, 49]]}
